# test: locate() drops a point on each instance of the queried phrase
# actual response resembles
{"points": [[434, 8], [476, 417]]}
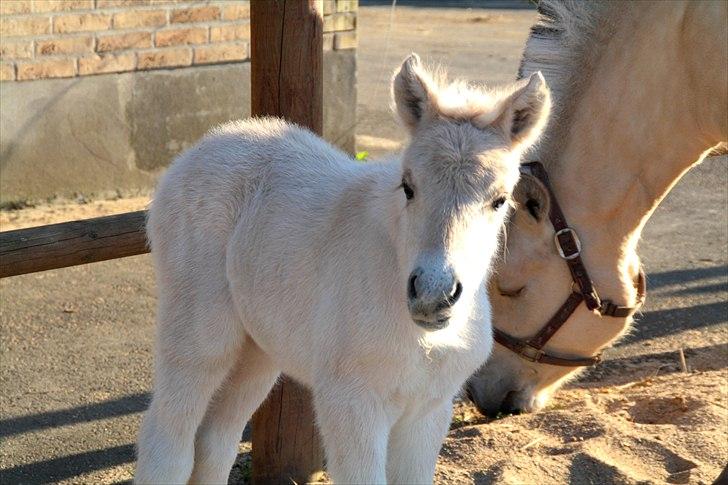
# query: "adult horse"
{"points": [[640, 90]]}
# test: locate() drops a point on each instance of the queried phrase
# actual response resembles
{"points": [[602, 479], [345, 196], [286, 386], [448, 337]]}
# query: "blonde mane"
{"points": [[565, 44]]}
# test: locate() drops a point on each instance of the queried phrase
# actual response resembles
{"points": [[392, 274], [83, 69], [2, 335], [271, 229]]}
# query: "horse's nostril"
{"points": [[411, 289], [455, 293], [509, 405]]}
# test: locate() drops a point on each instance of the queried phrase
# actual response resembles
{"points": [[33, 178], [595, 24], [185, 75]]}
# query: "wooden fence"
{"points": [[286, 81]]}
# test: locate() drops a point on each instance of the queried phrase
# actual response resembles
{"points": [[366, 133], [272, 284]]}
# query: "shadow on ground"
{"points": [[50, 471]]}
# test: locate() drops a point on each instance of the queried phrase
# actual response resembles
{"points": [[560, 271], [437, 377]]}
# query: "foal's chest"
{"points": [[439, 372]]}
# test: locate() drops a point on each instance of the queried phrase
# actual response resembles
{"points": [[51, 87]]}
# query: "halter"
{"points": [[569, 247]]}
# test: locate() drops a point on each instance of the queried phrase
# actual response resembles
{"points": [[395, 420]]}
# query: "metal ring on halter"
{"points": [[531, 353], [560, 249]]}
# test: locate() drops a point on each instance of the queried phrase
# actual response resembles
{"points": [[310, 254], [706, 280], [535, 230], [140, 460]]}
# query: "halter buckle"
{"points": [[531, 353], [560, 248]]}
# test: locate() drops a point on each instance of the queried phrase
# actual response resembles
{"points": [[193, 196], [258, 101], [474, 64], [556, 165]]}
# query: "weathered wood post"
{"points": [[287, 81]]}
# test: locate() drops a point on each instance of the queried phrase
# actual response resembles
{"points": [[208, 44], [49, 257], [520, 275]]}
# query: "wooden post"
{"points": [[287, 81]]}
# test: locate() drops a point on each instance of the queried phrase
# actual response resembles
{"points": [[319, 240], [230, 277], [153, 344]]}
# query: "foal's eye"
{"points": [[498, 202], [408, 192]]}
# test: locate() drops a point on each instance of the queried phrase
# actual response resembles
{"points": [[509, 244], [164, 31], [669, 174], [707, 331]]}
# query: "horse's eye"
{"points": [[408, 192], [498, 202]]}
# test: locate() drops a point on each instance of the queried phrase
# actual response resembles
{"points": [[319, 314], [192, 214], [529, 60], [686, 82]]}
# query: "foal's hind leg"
{"points": [[195, 351], [216, 445]]}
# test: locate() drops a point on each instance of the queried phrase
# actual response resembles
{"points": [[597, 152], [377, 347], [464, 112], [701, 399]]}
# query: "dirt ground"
{"points": [[75, 344]]}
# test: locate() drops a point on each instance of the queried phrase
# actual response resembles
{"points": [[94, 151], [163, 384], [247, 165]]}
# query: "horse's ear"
{"points": [[526, 111], [413, 92], [532, 197]]}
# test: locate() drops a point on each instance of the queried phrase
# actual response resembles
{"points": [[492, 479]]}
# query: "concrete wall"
{"points": [[96, 135], [101, 134]]}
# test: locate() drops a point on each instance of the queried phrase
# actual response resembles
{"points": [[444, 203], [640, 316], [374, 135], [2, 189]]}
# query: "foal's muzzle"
{"points": [[431, 296]]}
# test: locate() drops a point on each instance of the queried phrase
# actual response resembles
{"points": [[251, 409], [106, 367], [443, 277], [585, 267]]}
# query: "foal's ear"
{"points": [[526, 112], [414, 93]]}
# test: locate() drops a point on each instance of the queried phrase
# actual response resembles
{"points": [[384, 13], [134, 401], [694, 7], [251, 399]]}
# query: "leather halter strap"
{"points": [[569, 248]]}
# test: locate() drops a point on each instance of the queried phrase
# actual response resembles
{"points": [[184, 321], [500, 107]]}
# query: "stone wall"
{"points": [[98, 96]]}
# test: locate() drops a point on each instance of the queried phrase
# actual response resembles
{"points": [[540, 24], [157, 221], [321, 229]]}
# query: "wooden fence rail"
{"points": [[71, 243]]}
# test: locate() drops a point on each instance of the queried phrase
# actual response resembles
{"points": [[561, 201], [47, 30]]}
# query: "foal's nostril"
{"points": [[455, 293], [411, 289]]}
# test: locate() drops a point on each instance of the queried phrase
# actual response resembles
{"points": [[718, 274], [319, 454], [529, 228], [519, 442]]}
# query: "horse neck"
{"points": [[641, 124]]}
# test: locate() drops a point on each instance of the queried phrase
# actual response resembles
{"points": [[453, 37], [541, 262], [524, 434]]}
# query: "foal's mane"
{"points": [[565, 44]]}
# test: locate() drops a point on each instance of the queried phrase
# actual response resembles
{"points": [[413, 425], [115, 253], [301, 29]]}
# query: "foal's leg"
{"points": [[188, 370], [354, 426], [414, 444], [216, 445]]}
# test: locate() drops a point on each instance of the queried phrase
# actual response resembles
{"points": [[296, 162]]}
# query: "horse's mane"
{"points": [[565, 44]]}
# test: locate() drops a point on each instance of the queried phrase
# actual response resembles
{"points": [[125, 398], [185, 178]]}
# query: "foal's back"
{"points": [[209, 185]]}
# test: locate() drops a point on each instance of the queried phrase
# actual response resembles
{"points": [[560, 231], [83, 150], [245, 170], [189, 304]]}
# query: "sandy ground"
{"points": [[75, 344]]}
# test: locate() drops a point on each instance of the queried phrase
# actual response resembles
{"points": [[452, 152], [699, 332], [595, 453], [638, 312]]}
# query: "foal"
{"points": [[275, 252]]}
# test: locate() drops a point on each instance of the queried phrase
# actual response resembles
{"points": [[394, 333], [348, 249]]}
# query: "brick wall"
{"points": [[42, 39]]}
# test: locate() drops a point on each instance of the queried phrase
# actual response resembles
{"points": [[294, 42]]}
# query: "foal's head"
{"points": [[457, 176]]}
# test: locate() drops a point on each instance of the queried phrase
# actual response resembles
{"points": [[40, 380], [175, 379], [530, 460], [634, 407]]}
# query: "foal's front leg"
{"points": [[354, 425], [414, 444]]}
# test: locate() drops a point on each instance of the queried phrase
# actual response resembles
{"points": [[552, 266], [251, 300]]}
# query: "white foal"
{"points": [[275, 252]]}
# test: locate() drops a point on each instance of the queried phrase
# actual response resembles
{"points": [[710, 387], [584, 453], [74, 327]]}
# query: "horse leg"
{"points": [[187, 373], [414, 444], [354, 426], [216, 445]]}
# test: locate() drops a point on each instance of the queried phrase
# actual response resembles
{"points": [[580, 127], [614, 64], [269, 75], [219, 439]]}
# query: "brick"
{"points": [[61, 5], [140, 18], [46, 68], [329, 7], [224, 33], [339, 22], [11, 26], [14, 7], [83, 22], [345, 40], [165, 58], [328, 41], [209, 54], [16, 50], [194, 14], [7, 71], [195, 35], [117, 42], [99, 64], [347, 5], [236, 12], [64, 45], [122, 3]]}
